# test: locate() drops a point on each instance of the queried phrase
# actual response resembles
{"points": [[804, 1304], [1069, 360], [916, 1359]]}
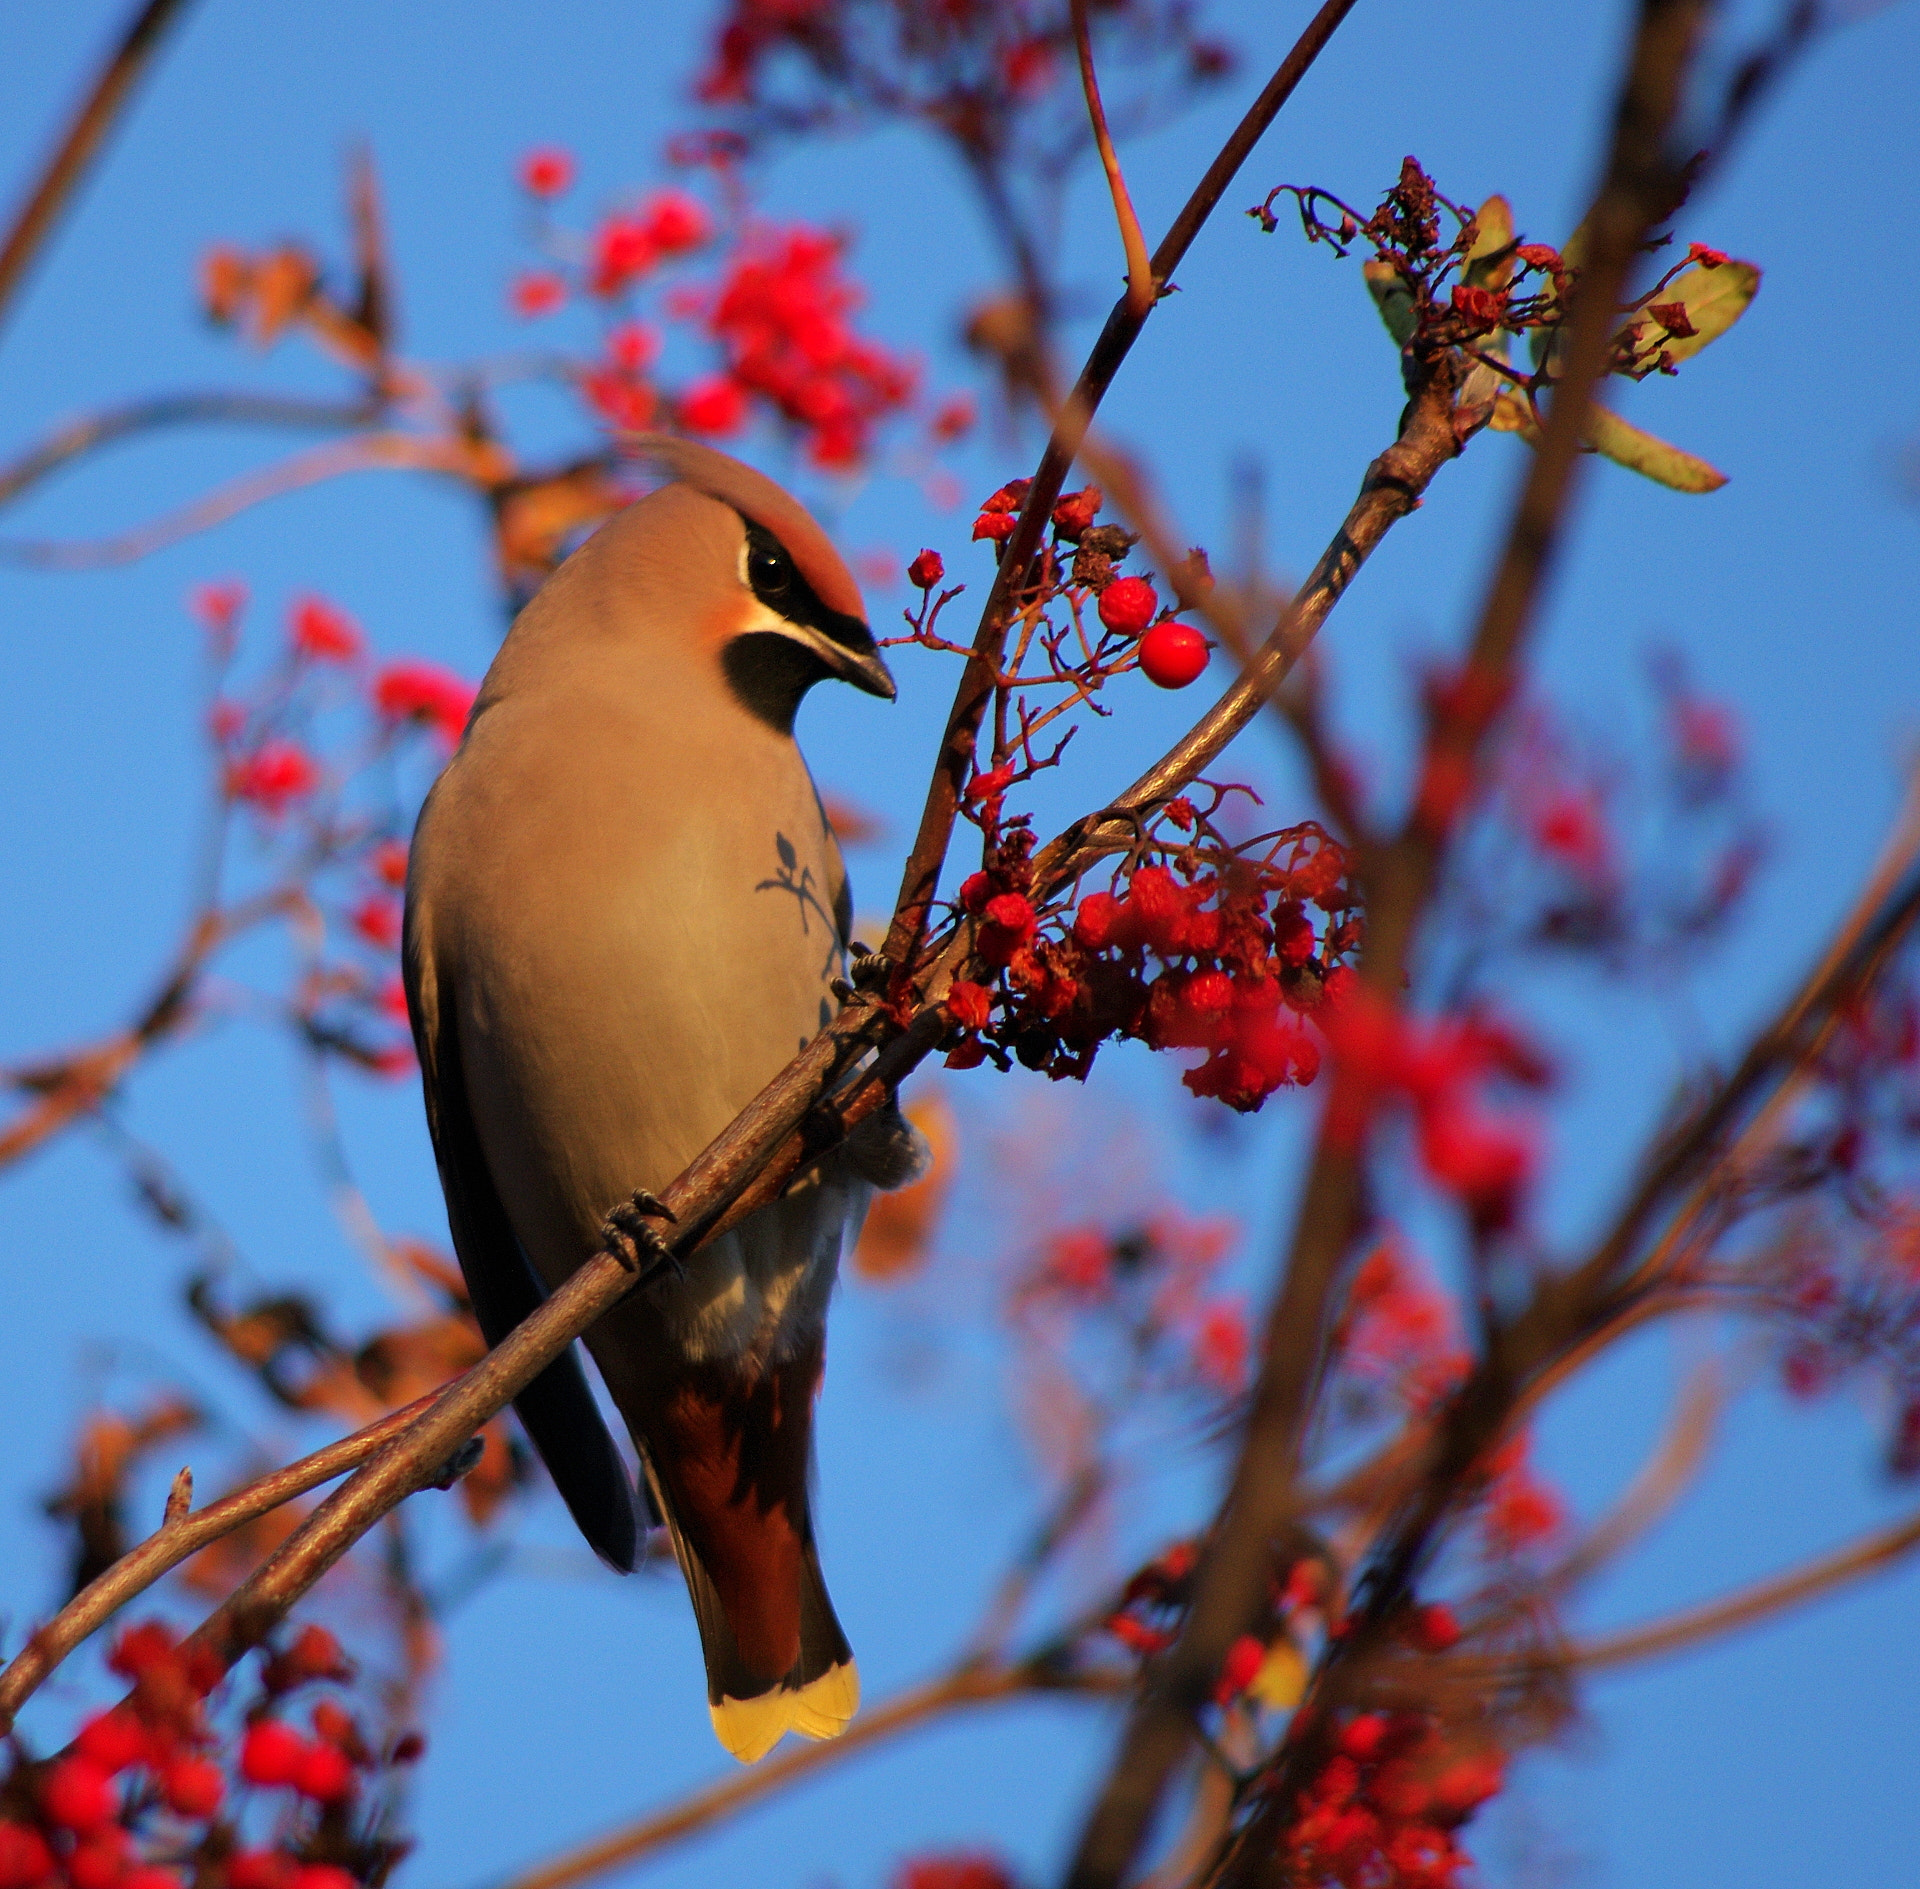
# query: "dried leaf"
{"points": [[1641, 452], [900, 1226]]}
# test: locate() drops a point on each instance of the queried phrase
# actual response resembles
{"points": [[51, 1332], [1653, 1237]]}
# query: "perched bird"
{"points": [[626, 912]]}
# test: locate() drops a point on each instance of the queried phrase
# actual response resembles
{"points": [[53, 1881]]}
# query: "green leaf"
{"points": [[1626, 445], [1393, 297], [1714, 300]]}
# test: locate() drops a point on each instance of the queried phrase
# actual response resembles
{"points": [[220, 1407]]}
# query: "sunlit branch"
{"points": [[1140, 284]]}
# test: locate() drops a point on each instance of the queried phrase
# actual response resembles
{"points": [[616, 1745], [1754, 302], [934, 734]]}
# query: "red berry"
{"points": [[193, 1787], [99, 1861], [151, 1876], [1435, 1629], [321, 1876], [271, 1753], [316, 1654], [79, 1794], [1127, 605], [546, 172], [258, 1869], [113, 1741], [24, 1857], [1172, 654], [325, 1774], [926, 570]]}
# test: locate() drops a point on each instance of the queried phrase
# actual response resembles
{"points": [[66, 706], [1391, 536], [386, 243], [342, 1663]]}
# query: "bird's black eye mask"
{"points": [[771, 673], [776, 580]]}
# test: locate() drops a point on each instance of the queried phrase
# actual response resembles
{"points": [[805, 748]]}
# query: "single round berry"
{"points": [[1173, 654], [1127, 605]]}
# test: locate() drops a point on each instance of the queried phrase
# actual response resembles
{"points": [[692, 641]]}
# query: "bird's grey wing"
{"points": [[557, 1409]]}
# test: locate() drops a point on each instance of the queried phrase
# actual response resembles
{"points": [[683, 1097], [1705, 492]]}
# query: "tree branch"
{"points": [[179, 1536], [85, 134]]}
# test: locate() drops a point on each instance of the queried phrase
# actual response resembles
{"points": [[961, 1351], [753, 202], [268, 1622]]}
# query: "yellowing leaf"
{"points": [[1490, 260], [1622, 442], [1641, 452], [1714, 300], [1282, 1678], [901, 1225]]}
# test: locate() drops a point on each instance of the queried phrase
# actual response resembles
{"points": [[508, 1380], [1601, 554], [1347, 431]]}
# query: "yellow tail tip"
{"points": [[750, 1728]]}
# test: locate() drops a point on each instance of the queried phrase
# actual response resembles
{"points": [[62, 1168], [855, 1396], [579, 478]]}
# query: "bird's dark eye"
{"points": [[768, 570]]}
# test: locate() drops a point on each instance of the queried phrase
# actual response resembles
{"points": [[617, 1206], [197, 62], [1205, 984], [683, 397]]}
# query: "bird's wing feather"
{"points": [[557, 1409]]}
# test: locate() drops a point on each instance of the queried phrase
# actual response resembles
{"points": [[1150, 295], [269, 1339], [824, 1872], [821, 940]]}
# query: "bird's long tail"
{"points": [[818, 1694]]}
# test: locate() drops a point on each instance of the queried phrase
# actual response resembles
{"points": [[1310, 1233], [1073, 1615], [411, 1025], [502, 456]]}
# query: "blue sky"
{"points": [[569, 1700]]}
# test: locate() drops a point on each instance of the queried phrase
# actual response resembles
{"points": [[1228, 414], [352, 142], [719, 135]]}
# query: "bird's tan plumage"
{"points": [[625, 912]]}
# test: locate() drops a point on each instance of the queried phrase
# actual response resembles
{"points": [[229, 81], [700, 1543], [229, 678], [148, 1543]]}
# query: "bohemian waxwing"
{"points": [[625, 914]]}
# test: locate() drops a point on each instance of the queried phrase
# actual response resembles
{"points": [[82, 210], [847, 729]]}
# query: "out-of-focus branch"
{"points": [[474, 463], [80, 437], [1140, 289], [1763, 1598], [70, 1086], [1642, 184], [85, 134], [969, 1685], [180, 1535]]}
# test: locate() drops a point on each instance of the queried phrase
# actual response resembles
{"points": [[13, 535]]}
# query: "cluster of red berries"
{"points": [[141, 1799], [265, 744], [1199, 945], [1169, 654], [779, 313], [1386, 1807]]}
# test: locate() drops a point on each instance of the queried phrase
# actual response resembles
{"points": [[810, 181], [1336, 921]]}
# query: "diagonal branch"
{"points": [[1140, 286], [91, 123], [1123, 326]]}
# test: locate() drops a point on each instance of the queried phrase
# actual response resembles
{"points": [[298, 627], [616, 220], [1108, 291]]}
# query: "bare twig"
{"points": [[1140, 285], [77, 438], [85, 134], [473, 463]]}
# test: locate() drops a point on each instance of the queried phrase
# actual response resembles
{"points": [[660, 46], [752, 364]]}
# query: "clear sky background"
{"points": [[570, 1700]]}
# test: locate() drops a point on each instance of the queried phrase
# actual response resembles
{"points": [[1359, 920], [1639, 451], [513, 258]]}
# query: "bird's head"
{"points": [[788, 613]]}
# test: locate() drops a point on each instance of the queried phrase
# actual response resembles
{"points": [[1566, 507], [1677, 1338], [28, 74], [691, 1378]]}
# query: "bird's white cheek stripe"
{"points": [[757, 618]]}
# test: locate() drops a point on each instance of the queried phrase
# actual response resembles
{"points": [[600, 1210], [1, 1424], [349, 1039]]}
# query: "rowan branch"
{"points": [[473, 463], [183, 1533], [76, 151], [77, 438]]}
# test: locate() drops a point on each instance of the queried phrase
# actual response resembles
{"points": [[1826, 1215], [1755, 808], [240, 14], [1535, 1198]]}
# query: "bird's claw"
{"points": [[869, 969], [630, 1234]]}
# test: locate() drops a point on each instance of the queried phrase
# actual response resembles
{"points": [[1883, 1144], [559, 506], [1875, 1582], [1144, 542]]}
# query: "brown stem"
{"points": [[89, 127], [1140, 287], [1770, 1596], [179, 1536]]}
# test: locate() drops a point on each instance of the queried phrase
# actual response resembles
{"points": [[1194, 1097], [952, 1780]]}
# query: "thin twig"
{"points": [[1140, 284]]}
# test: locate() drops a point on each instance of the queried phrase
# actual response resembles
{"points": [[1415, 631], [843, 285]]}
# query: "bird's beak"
{"points": [[864, 668]]}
